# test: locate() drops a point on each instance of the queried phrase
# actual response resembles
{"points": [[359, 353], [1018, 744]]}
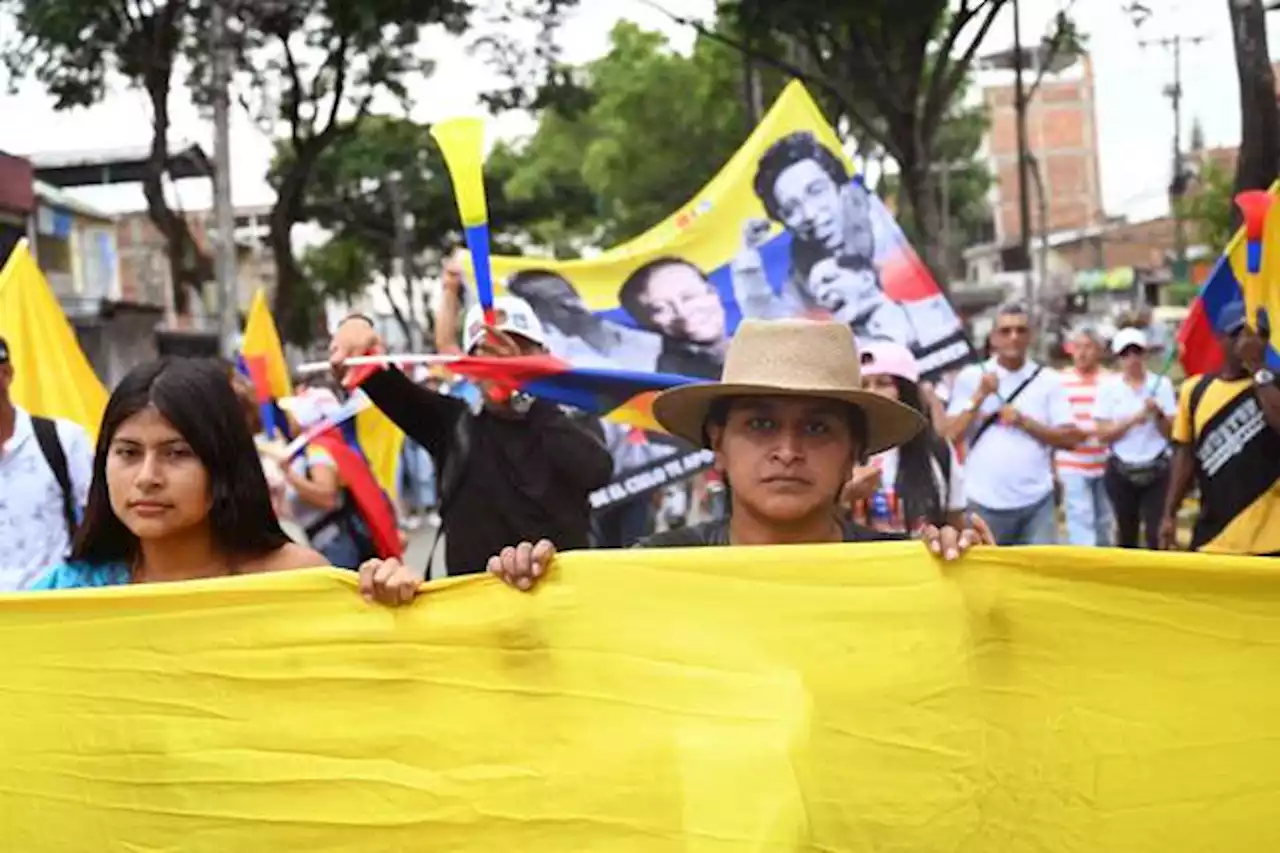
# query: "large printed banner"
{"points": [[833, 698], [785, 229]]}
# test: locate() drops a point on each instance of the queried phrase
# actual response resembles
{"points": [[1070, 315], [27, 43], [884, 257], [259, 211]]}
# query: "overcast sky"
{"points": [[1134, 121]]}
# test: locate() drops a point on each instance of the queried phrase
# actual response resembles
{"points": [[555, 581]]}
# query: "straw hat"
{"points": [[790, 358]]}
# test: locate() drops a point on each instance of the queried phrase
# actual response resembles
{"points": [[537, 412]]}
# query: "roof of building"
{"points": [[56, 197], [124, 165]]}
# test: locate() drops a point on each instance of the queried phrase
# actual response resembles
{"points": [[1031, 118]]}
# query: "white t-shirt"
{"points": [[33, 532], [1117, 401], [1007, 468], [889, 516]]}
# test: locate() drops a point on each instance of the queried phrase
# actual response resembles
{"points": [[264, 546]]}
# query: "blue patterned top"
{"points": [[83, 575]]}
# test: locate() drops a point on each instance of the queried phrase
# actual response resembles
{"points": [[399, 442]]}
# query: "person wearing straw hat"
{"points": [[788, 421]]}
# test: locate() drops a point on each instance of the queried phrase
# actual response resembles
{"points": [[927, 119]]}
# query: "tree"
{"points": [[1259, 157], [310, 71], [893, 70], [384, 169], [1210, 207], [647, 128], [74, 49], [965, 215]]}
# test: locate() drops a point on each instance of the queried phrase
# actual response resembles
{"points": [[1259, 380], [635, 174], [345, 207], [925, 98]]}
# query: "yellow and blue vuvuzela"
{"points": [[807, 698]]}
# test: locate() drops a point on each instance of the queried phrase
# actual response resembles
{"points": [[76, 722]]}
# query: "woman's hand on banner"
{"points": [[389, 582], [949, 543], [522, 566]]}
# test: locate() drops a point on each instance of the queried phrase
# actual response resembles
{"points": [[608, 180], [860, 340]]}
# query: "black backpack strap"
{"points": [[451, 473], [991, 419], [46, 432], [1197, 394]]}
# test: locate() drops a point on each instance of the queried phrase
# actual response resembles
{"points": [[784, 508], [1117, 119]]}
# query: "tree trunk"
{"points": [[918, 188], [292, 306], [1259, 154], [188, 266]]}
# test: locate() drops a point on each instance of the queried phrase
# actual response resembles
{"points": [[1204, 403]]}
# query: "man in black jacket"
{"points": [[518, 469]]}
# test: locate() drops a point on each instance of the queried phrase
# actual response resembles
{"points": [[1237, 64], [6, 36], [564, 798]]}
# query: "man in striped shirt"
{"points": [[1089, 518]]}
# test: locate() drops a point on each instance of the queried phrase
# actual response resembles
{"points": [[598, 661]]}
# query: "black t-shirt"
{"points": [[716, 534], [523, 478]]}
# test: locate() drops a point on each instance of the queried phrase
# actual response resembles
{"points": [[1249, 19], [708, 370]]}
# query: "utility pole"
{"points": [[224, 214], [1024, 197], [1178, 183]]}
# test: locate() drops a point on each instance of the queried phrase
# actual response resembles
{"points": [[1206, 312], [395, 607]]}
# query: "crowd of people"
{"points": [[815, 439]]}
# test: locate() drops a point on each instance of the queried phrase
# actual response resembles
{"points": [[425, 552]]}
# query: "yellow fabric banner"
{"points": [[52, 377], [832, 698]]}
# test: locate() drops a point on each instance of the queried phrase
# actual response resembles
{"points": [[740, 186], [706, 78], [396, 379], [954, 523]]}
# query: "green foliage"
{"points": [[71, 48], [383, 168], [966, 187], [894, 70], [1209, 207], [659, 125], [310, 71]]}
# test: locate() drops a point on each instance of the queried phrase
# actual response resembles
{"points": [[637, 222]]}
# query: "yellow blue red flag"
{"points": [[52, 376]]}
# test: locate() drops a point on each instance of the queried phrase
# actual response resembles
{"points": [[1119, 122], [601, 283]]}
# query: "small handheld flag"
{"points": [[1254, 205], [461, 141]]}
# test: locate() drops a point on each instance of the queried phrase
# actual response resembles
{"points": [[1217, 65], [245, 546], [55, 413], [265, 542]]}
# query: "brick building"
{"points": [[1062, 139]]}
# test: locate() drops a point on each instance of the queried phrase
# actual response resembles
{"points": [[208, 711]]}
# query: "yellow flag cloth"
{"points": [[827, 698], [52, 377]]}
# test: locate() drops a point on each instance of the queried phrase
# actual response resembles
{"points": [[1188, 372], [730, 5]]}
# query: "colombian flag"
{"points": [[262, 360], [1197, 337], [624, 396], [52, 377]]}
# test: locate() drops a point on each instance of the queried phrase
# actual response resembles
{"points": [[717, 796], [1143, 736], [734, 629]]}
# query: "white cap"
{"points": [[1129, 337], [511, 314]]}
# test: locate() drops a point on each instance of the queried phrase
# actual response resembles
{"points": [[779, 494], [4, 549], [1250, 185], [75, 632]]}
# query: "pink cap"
{"points": [[885, 358]]}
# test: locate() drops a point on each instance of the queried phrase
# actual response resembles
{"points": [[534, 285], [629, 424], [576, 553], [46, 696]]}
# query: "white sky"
{"points": [[1134, 121]]}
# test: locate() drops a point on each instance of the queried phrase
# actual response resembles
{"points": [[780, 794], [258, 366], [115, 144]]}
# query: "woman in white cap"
{"points": [[905, 489], [789, 419], [1134, 416]]}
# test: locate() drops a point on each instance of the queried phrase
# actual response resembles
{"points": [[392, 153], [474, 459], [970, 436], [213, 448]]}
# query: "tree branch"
{"points": [[293, 100], [788, 68], [1056, 42], [940, 97], [338, 59]]}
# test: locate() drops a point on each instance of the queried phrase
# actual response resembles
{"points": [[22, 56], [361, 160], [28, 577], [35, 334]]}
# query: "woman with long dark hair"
{"points": [[178, 491], [921, 483]]}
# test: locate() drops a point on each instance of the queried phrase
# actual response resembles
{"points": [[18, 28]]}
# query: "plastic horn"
{"points": [[1254, 205], [461, 140]]}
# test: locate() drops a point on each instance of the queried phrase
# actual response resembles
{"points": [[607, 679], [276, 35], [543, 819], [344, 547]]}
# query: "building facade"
{"points": [[1062, 140]]}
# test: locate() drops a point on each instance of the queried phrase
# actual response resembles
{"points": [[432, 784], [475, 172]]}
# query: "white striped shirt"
{"points": [[1090, 458]]}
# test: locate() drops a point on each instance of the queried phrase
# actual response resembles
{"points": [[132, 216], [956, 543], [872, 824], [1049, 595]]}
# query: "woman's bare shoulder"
{"points": [[286, 557]]}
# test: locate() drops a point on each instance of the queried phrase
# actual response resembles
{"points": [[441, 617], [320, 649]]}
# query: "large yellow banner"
{"points": [[786, 228], [833, 698]]}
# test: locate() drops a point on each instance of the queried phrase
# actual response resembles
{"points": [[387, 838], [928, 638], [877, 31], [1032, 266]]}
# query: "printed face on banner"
{"points": [[784, 230]]}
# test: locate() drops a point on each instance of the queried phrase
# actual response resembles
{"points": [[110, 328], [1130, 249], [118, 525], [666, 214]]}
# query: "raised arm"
{"points": [[425, 416]]}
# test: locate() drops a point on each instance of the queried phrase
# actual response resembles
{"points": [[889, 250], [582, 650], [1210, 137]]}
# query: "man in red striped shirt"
{"points": [[1089, 518]]}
